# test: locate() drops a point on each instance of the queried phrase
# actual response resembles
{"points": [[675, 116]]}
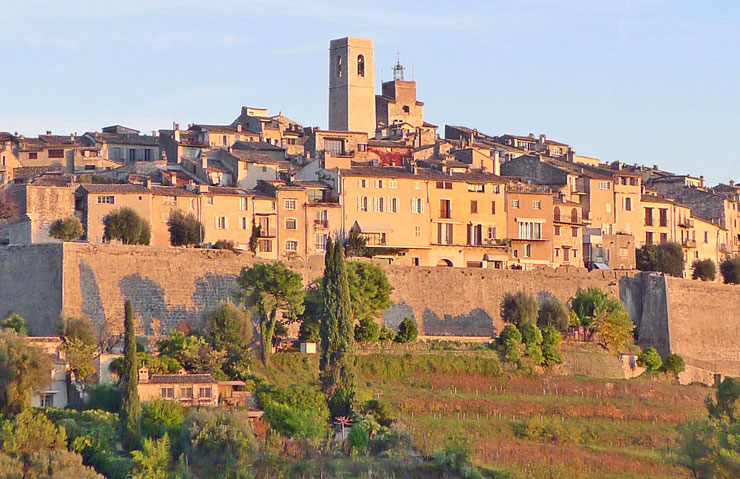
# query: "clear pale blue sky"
{"points": [[645, 81]]}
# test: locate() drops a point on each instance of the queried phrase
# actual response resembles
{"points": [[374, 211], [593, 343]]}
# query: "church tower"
{"points": [[352, 85]]}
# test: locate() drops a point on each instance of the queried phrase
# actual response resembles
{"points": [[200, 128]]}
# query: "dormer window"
{"points": [[339, 66], [360, 66]]}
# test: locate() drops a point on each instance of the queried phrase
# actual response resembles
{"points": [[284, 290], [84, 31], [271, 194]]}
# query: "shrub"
{"points": [[531, 334], [510, 332], [670, 259], [66, 229], [16, 323], [367, 330], [358, 438], [456, 456], [552, 312], [647, 258], [369, 290], [224, 244], [512, 353], [519, 308], [298, 411], [650, 359], [160, 417], [379, 410], [730, 270], [613, 329], [386, 334], [534, 352], [590, 303], [185, 230], [104, 397], [407, 331], [127, 226], [674, 363], [704, 269], [551, 355]]}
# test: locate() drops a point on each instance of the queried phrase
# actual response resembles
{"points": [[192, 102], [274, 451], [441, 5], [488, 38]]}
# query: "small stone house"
{"points": [[189, 389]]}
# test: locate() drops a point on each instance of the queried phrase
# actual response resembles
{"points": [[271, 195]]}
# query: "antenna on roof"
{"points": [[412, 70]]}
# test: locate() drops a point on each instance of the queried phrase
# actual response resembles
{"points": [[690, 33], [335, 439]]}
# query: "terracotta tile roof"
{"points": [[255, 146], [28, 172], [422, 173], [171, 191], [227, 191], [122, 139], [114, 188], [181, 378]]}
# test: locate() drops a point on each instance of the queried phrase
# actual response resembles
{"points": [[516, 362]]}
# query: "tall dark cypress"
{"points": [[337, 334], [130, 407]]}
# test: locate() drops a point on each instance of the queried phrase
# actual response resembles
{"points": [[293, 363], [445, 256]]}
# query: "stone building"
{"points": [[352, 85], [189, 389]]}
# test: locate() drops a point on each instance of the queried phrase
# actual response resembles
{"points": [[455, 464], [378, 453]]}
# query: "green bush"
{"points": [[456, 456], [367, 330], [66, 229], [510, 332], [160, 417], [531, 334], [296, 411], [185, 229], [386, 334], [512, 354], [552, 312], [674, 363], [670, 259], [407, 331], [589, 303], [379, 410], [650, 359], [126, 225], [730, 270], [704, 269], [105, 397], [519, 308], [534, 352], [551, 355], [358, 438]]}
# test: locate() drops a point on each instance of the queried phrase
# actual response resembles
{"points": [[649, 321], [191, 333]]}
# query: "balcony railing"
{"points": [[321, 224], [686, 223], [268, 233], [689, 243]]}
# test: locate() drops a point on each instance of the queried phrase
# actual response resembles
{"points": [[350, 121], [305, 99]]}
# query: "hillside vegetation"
{"points": [[523, 425]]}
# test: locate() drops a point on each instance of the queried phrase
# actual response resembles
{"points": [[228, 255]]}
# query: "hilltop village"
{"points": [[417, 194]]}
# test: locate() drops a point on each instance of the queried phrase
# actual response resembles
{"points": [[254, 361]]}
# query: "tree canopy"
{"points": [[127, 226], [66, 229], [519, 308], [185, 229], [23, 369]]}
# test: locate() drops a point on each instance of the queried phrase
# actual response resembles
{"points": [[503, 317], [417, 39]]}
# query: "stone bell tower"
{"points": [[352, 85]]}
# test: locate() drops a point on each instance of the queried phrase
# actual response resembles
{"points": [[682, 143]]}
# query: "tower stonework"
{"points": [[352, 85]]}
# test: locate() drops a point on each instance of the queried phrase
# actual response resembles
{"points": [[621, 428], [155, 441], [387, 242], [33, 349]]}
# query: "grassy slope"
{"points": [[533, 426]]}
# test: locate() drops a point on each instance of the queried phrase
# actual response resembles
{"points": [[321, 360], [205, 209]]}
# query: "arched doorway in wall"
{"points": [[445, 262]]}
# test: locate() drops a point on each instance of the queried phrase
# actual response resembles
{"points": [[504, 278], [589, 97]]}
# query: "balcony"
{"points": [[688, 243], [268, 233], [686, 223], [321, 224]]}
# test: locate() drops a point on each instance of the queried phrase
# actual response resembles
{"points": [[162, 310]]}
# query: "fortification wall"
{"points": [[31, 285], [169, 286]]}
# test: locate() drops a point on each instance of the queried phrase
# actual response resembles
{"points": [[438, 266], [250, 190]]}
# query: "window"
{"points": [[204, 392], [362, 183], [220, 222], [663, 217], [291, 246], [392, 184], [649, 217], [476, 188], [167, 393], [223, 140], [265, 245], [244, 204], [209, 200], [604, 185], [33, 155], [47, 400], [491, 232], [537, 204], [192, 203], [493, 207], [417, 205], [379, 204], [530, 230], [574, 215], [417, 231], [291, 224], [335, 147], [473, 206], [361, 147], [706, 236], [320, 242], [556, 230], [360, 66], [444, 185], [515, 204], [415, 261], [628, 204], [393, 205], [110, 200], [186, 392], [406, 109], [444, 233], [339, 66], [648, 237], [56, 153], [170, 200], [416, 185], [445, 209], [527, 251], [244, 223], [362, 202], [379, 184], [290, 204], [574, 232], [556, 214]]}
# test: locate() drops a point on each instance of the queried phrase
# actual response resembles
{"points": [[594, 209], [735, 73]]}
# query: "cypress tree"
{"points": [[337, 334], [130, 407]]}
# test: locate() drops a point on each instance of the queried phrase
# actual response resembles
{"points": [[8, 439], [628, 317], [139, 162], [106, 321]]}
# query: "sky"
{"points": [[644, 81]]}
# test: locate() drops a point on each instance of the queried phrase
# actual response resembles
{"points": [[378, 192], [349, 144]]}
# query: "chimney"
{"points": [[542, 139], [154, 132], [148, 182], [177, 135], [48, 132], [732, 182], [496, 165], [202, 189], [173, 178], [72, 137], [239, 127], [144, 374], [204, 160]]}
